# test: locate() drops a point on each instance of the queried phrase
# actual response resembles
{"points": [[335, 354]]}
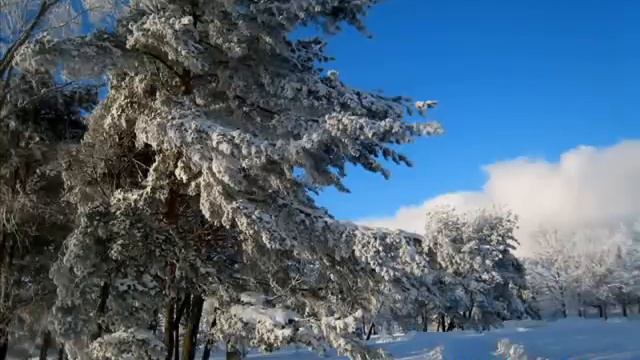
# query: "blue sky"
{"points": [[513, 78]]}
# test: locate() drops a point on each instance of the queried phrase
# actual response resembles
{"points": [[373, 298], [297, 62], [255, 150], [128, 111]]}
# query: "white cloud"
{"points": [[587, 187]]}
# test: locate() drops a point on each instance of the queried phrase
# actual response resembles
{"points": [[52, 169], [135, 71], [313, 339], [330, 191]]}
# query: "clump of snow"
{"points": [[256, 314], [436, 354], [508, 351], [253, 298]]}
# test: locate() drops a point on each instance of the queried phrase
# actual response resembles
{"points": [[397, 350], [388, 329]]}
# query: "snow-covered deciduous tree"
{"points": [[216, 123], [481, 282], [591, 268], [625, 279], [553, 269]]}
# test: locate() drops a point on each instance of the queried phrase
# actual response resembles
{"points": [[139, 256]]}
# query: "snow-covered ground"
{"points": [[592, 339]]}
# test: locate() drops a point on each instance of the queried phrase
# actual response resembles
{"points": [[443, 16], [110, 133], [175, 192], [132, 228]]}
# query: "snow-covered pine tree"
{"points": [[214, 113]]}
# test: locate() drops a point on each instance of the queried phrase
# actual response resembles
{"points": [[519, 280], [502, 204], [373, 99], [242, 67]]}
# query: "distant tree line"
{"points": [[577, 273]]}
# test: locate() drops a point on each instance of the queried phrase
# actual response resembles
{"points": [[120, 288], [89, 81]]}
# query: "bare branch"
{"points": [[8, 57]]}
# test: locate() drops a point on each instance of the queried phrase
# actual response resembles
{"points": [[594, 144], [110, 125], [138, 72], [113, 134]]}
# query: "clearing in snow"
{"points": [[573, 338]]}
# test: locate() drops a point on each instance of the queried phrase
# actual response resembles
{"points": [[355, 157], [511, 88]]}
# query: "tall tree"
{"points": [[214, 114]]}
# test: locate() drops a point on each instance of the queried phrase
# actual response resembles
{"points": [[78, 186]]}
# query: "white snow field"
{"points": [[574, 338]]}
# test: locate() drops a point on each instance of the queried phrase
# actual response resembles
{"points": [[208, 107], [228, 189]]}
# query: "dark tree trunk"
{"points": [[176, 325], [46, 343], [604, 310], [600, 311], [153, 324], [564, 303], [6, 247], [625, 312], [425, 322], [61, 352], [102, 308], [171, 216], [370, 332], [451, 325], [168, 329], [176, 340], [4, 345], [206, 353], [191, 336]]}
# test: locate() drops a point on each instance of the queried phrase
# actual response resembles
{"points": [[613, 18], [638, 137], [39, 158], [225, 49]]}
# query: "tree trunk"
{"points": [[625, 313], [604, 310], [102, 308], [601, 311], [46, 343], [176, 325], [4, 345], [233, 353], [563, 304], [168, 328], [171, 217], [176, 341], [61, 352], [206, 353], [5, 318], [370, 332], [425, 322], [451, 325], [191, 336]]}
